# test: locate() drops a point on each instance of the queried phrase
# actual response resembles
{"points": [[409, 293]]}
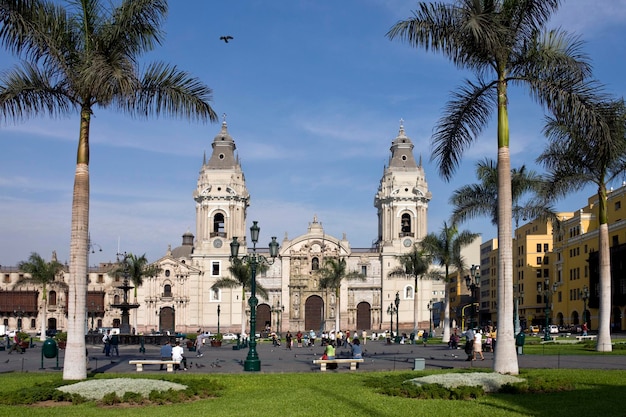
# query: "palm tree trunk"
{"points": [[505, 361], [604, 313], [337, 310], [75, 366], [42, 337], [446, 310]]}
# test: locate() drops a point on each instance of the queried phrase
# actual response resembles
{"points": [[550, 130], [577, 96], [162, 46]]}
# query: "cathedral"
{"points": [[183, 296]]}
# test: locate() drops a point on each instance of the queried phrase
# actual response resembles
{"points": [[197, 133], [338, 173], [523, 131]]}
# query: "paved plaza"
{"points": [[377, 354]]}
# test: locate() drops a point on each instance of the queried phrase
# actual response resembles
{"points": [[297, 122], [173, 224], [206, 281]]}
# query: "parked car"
{"points": [[554, 329], [533, 329], [229, 336]]}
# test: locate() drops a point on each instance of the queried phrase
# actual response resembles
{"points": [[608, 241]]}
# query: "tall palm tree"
{"points": [[135, 268], [445, 249], [242, 277], [503, 42], [332, 274], [414, 264], [76, 59], [481, 199], [42, 273], [579, 154]]}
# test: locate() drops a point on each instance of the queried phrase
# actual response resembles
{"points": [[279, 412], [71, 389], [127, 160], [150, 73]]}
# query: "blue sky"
{"points": [[313, 92]]}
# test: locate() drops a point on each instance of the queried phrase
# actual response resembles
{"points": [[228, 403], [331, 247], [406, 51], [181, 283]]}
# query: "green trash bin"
{"points": [[520, 339], [50, 348]]}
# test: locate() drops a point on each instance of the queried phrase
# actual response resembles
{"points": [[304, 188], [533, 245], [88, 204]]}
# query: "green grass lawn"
{"points": [[595, 392]]}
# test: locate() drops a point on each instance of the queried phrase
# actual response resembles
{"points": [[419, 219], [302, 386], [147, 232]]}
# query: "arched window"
{"points": [[406, 224], [116, 299], [167, 290], [218, 225], [52, 298], [315, 264], [408, 292]]}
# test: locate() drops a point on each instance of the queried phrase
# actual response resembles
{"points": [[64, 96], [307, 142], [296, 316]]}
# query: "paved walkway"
{"points": [[378, 356]]}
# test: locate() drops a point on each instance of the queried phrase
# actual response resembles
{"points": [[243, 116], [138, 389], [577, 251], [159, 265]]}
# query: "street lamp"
{"points": [[584, 294], [397, 303], [546, 293], [218, 319], [391, 310], [430, 318], [252, 362], [518, 296], [473, 283]]}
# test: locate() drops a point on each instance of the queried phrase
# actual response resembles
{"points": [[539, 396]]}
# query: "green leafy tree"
{"points": [[242, 277], [502, 42], [75, 59], [42, 273], [579, 154], [414, 264], [445, 248], [332, 274]]}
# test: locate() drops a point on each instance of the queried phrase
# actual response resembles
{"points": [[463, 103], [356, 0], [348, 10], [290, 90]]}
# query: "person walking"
{"points": [[288, 339], [166, 352], [114, 343], [199, 344], [106, 339], [478, 345], [469, 344]]}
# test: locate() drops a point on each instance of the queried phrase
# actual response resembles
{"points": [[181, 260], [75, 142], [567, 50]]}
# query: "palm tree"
{"points": [[481, 199], [77, 59], [414, 264], [242, 277], [503, 42], [579, 154], [42, 273], [331, 276], [445, 248], [135, 269]]}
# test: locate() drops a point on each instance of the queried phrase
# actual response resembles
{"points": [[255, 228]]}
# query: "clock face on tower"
{"points": [[407, 242], [217, 243]]}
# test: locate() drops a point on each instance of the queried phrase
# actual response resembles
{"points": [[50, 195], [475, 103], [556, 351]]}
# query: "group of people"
{"points": [[355, 350], [111, 344], [474, 342], [308, 339], [173, 353]]}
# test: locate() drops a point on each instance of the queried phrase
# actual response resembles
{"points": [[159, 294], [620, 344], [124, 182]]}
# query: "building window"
{"points": [[546, 273], [615, 240], [100, 278], [167, 291], [406, 225], [546, 247], [538, 273], [167, 272], [215, 268], [364, 270], [218, 225], [408, 292], [52, 298], [618, 205], [7, 278], [315, 264], [539, 259], [538, 247], [215, 294]]}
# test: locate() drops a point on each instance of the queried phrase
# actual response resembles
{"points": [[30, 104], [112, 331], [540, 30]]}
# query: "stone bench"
{"points": [[581, 338], [323, 362], [140, 363]]}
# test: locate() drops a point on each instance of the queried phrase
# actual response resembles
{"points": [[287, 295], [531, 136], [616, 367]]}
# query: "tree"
{"points": [[331, 276], [76, 59], [579, 154], [242, 277], [445, 248], [42, 273], [503, 42], [481, 199], [414, 264], [135, 269]]}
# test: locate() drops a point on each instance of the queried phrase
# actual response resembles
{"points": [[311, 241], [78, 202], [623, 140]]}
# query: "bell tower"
{"points": [[402, 198], [221, 198]]}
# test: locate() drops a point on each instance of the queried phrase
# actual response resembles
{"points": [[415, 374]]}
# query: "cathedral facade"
{"points": [[183, 296]]}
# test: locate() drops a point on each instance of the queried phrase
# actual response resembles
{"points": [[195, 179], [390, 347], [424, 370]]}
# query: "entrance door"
{"points": [[314, 313], [363, 316], [166, 320]]}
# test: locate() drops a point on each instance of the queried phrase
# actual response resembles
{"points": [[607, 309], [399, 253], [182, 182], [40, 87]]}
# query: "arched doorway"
{"points": [[363, 316], [314, 313], [263, 319], [52, 323], [166, 320]]}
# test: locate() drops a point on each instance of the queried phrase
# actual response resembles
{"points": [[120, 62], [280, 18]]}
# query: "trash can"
{"points": [[50, 348], [419, 364], [412, 337], [519, 342]]}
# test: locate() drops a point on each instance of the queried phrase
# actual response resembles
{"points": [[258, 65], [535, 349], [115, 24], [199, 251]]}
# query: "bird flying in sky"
{"points": [[226, 38]]}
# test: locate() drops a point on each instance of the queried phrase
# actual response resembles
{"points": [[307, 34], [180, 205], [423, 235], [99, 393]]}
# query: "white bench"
{"points": [[142, 362], [581, 338], [323, 362]]}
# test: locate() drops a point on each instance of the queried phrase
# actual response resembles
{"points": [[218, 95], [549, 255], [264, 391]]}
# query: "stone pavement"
{"points": [[378, 357]]}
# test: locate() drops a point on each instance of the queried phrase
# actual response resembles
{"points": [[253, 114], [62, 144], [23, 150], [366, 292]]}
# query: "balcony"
{"points": [[407, 234], [218, 234]]}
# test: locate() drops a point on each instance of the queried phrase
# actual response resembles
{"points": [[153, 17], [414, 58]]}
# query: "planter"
{"points": [[61, 345], [216, 343]]}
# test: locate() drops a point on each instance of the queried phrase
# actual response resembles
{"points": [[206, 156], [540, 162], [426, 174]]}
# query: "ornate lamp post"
{"points": [[430, 318], [218, 319], [584, 294], [391, 310], [252, 362], [546, 293], [472, 282], [518, 296], [397, 303]]}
